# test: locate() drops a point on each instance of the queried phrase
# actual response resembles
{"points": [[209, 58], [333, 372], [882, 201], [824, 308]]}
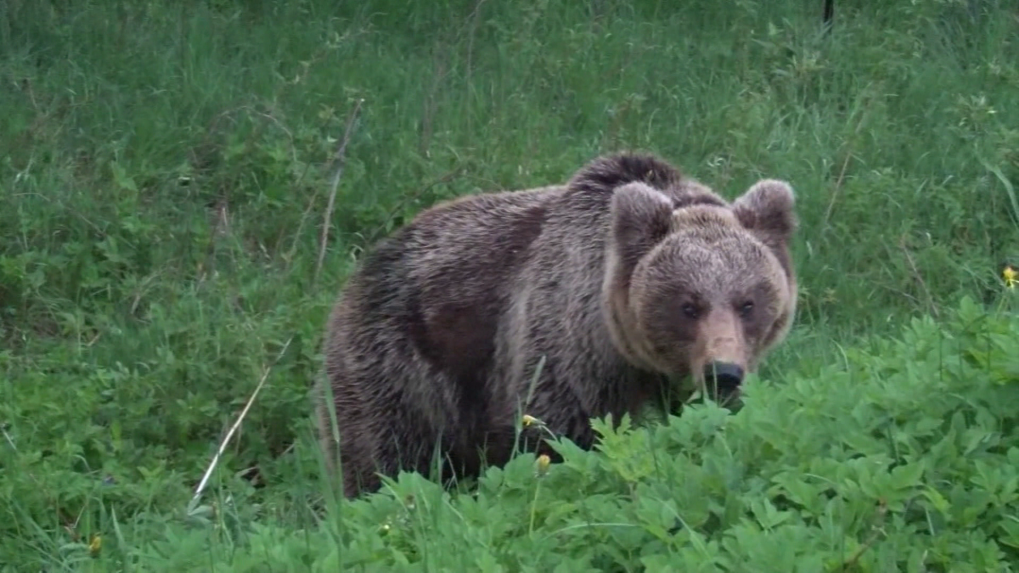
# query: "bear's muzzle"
{"points": [[723, 378]]}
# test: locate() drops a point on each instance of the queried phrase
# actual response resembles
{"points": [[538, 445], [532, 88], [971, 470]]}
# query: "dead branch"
{"points": [[339, 160], [236, 424]]}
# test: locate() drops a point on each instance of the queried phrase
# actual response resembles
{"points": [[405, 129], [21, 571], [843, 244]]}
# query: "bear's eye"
{"points": [[690, 310], [746, 308]]}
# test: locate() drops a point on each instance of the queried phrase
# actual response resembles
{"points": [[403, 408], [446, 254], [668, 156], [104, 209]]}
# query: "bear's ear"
{"points": [[641, 216], [768, 210]]}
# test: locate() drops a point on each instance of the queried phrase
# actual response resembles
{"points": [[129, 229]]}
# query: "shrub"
{"points": [[904, 457]]}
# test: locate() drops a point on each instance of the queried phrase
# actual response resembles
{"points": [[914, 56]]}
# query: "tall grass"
{"points": [[165, 168]]}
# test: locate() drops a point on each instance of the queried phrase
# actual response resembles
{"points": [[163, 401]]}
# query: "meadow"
{"points": [[185, 186]]}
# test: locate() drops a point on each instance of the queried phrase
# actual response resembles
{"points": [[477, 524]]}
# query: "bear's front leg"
{"points": [[555, 411]]}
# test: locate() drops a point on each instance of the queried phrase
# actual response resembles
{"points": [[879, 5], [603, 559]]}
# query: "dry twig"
{"points": [[919, 276], [340, 160], [237, 423]]}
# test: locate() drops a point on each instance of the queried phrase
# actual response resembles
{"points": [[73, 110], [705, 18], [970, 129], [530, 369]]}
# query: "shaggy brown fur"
{"points": [[628, 274]]}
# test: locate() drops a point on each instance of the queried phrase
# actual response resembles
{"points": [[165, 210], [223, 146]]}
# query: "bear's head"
{"points": [[703, 290]]}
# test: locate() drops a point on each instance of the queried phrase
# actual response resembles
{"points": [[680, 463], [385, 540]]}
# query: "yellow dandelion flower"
{"points": [[1011, 276], [95, 545], [543, 463]]}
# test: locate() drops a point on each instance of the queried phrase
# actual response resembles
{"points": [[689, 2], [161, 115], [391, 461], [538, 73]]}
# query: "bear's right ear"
{"points": [[641, 216]]}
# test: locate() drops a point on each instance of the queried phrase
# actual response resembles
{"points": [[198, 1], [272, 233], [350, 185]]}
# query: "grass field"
{"points": [[167, 171]]}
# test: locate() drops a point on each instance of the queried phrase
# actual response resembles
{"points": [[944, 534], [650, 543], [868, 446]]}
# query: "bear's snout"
{"points": [[723, 377]]}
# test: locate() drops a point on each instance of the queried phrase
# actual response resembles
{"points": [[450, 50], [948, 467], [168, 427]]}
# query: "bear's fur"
{"points": [[624, 277]]}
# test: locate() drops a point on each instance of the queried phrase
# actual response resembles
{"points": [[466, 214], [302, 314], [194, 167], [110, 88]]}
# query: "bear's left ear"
{"points": [[768, 210]]}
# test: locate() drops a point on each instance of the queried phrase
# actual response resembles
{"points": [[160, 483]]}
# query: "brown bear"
{"points": [[626, 277]]}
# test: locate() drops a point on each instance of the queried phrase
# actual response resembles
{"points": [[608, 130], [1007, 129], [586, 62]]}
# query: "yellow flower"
{"points": [[1011, 276], [95, 545], [528, 420], [543, 463]]}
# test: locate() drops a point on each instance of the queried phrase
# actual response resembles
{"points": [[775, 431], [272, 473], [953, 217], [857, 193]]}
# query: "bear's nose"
{"points": [[723, 377]]}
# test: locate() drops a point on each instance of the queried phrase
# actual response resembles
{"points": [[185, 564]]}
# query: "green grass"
{"points": [[164, 172]]}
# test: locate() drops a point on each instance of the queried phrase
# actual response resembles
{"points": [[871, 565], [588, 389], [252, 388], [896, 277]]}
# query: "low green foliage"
{"points": [[903, 457], [166, 170]]}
